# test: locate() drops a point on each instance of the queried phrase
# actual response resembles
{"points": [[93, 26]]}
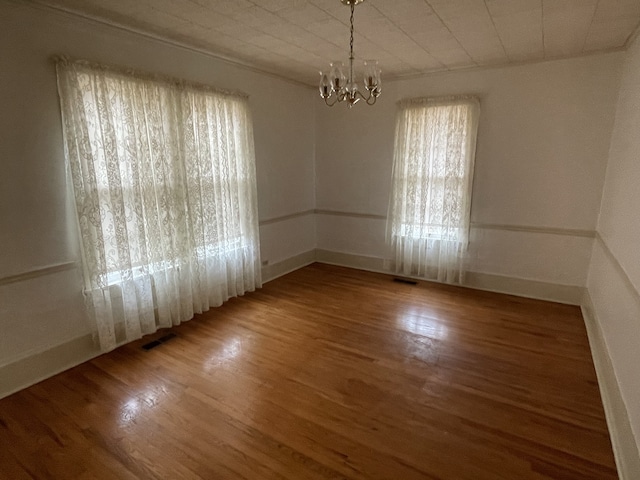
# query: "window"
{"points": [[431, 187], [164, 181]]}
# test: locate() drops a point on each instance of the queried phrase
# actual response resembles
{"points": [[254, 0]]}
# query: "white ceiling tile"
{"points": [[521, 33], [470, 22], [510, 7], [449, 53], [123, 7], [566, 25], [193, 13], [457, 10], [278, 5], [615, 9], [236, 30], [332, 31], [333, 7], [223, 7], [304, 14], [256, 17], [403, 12], [420, 60], [613, 23], [166, 20], [297, 37], [604, 35], [270, 43]]}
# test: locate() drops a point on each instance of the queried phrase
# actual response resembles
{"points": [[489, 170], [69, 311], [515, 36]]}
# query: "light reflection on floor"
{"points": [[423, 321], [221, 355], [134, 408], [144, 401]]}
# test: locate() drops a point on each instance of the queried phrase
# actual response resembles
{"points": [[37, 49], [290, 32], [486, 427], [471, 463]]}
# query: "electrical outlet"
{"points": [[265, 263]]}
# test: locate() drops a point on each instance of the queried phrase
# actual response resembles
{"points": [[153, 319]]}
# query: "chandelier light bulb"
{"points": [[337, 76], [371, 75], [325, 85]]}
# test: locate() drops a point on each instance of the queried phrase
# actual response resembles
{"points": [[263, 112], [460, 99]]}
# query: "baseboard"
{"points": [[40, 366], [273, 271], [522, 287], [569, 294], [625, 447], [361, 262]]}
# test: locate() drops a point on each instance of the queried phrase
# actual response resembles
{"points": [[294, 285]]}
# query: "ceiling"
{"points": [[297, 38]]}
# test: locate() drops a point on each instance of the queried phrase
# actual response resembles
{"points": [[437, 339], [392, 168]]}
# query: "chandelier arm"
{"points": [[359, 93], [370, 99], [331, 104]]}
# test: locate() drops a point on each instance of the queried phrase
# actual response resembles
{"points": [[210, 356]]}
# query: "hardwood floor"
{"points": [[328, 373]]}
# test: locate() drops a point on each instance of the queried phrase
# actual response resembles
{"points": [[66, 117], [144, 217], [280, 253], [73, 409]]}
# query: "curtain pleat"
{"points": [[164, 181]]}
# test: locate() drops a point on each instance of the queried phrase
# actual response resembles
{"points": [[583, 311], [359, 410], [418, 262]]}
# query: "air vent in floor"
{"points": [[159, 341], [408, 281]]}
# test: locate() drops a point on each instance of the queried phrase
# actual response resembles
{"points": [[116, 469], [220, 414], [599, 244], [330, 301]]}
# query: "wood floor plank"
{"points": [[328, 372]]}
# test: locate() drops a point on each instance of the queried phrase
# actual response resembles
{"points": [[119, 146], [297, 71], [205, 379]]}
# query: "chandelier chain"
{"points": [[351, 57], [351, 40]]}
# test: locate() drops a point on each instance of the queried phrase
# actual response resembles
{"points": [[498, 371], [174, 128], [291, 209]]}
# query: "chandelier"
{"points": [[336, 87]]}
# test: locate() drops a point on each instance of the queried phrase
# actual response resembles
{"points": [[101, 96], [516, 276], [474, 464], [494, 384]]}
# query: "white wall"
{"points": [[541, 156], [614, 277], [42, 307]]}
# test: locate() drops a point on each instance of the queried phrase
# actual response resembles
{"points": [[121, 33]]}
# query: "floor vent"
{"points": [[408, 281], [159, 341]]}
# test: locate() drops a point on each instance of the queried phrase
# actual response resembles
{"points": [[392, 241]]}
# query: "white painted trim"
{"points": [[525, 287], [361, 262], [283, 218], [571, 232], [271, 272], [37, 272], [40, 366], [622, 273], [625, 446], [522, 287], [337, 213]]}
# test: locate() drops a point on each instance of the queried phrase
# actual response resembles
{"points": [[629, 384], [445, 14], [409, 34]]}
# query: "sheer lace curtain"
{"points": [[429, 208], [164, 181]]}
